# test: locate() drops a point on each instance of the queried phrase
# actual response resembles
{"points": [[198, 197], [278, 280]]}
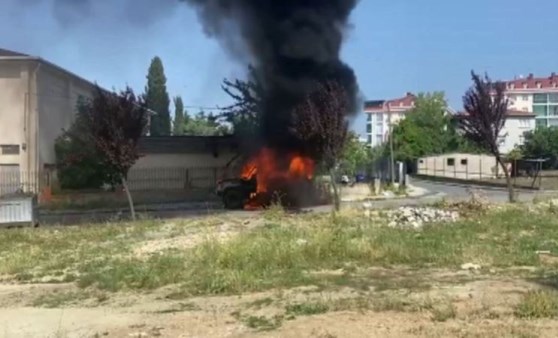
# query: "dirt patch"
{"points": [[481, 306]]}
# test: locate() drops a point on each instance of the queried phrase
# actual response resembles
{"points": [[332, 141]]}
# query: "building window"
{"points": [[501, 141], [464, 161], [451, 162], [369, 139], [380, 118], [540, 110], [552, 122], [9, 149], [379, 139], [541, 123], [369, 128], [369, 117], [525, 98], [524, 123], [540, 98]]}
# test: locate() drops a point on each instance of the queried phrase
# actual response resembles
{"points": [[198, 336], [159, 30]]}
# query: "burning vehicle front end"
{"points": [[236, 192]]}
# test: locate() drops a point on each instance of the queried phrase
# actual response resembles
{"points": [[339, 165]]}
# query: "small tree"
{"points": [[486, 108], [320, 124], [158, 99], [245, 113], [117, 121], [356, 155], [79, 164], [180, 117]]}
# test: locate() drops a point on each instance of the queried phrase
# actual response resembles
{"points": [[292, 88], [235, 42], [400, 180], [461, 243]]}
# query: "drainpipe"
{"points": [[34, 97]]}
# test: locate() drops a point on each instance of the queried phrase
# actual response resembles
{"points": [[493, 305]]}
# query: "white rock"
{"points": [[301, 241], [470, 266]]}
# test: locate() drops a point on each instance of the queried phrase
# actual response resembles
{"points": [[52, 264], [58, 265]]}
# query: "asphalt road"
{"points": [[449, 191]]}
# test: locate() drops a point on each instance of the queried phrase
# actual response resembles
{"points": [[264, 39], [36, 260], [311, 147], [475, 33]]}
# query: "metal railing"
{"points": [[28, 182]]}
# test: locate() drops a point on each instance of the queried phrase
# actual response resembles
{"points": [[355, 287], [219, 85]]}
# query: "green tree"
{"points": [[157, 98], [542, 143], [79, 164], [356, 155], [180, 117], [426, 130], [205, 125]]}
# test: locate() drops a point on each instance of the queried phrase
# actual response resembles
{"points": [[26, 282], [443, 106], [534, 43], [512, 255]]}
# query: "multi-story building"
{"points": [[381, 114], [538, 95]]}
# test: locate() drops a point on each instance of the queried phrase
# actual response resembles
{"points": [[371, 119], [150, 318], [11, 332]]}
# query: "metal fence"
{"points": [[174, 178], [28, 182], [139, 179]]}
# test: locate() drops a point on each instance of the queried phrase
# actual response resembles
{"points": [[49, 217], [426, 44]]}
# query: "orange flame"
{"points": [[272, 169]]}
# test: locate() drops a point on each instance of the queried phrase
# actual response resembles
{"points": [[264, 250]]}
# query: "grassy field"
{"points": [[272, 255]]}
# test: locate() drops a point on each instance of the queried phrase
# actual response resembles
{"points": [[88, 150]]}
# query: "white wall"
{"points": [[14, 111], [57, 93], [521, 102], [514, 129]]}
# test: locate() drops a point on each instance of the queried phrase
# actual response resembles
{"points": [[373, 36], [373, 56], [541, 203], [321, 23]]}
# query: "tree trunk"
{"points": [[336, 198], [130, 201], [511, 191]]}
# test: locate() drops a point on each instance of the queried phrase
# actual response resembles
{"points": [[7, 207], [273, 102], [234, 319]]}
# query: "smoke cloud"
{"points": [[294, 45], [137, 12]]}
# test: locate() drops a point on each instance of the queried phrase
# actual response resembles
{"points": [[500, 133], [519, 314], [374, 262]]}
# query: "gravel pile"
{"points": [[411, 217]]}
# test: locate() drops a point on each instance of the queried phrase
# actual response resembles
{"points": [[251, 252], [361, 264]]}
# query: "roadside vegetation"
{"points": [[285, 251], [289, 267]]}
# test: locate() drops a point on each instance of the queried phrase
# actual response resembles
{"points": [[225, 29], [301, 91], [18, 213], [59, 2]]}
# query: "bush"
{"points": [[79, 165]]}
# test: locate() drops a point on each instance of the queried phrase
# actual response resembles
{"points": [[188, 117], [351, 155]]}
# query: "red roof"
{"points": [[532, 82], [405, 103]]}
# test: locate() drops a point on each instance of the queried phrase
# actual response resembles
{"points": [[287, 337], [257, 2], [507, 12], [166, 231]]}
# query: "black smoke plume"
{"points": [[294, 46]]}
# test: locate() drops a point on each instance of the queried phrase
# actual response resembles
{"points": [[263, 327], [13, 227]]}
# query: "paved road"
{"points": [[449, 191]]}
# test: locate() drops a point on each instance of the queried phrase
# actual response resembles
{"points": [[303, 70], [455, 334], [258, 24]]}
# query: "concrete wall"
{"points": [[178, 171], [462, 166], [16, 112], [58, 94]]}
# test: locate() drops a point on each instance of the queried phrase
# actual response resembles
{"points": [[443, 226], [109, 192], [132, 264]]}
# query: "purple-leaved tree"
{"points": [[486, 109], [117, 121]]}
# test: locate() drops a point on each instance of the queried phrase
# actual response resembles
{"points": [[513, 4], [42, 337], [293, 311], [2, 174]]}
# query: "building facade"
{"points": [[382, 114], [537, 95], [37, 101]]}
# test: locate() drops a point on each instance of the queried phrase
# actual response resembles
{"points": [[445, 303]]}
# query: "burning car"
{"points": [[266, 177], [236, 192]]}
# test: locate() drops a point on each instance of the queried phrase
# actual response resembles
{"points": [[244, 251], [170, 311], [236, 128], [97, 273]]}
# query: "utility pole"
{"points": [[392, 162]]}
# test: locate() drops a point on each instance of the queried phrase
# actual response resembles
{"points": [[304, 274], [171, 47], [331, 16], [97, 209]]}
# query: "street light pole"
{"points": [[392, 162]]}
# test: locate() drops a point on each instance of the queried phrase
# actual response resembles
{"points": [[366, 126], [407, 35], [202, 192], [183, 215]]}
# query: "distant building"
{"points": [[382, 113], [538, 95], [38, 100], [518, 123]]}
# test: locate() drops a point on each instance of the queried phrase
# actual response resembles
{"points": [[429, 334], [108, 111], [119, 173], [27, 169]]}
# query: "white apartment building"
{"points": [[383, 113], [537, 95]]}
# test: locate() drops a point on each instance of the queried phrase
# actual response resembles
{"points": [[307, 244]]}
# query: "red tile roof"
{"points": [[532, 82], [406, 102]]}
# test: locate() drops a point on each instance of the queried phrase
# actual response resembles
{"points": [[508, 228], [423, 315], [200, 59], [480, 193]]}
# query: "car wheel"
{"points": [[233, 199]]}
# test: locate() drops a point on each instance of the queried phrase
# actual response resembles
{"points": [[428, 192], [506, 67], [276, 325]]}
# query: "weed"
{"points": [[443, 312], [59, 299], [258, 304], [262, 323], [538, 304], [182, 307], [307, 309]]}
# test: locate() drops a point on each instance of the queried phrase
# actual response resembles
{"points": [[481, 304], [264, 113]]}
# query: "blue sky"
{"points": [[394, 46]]}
